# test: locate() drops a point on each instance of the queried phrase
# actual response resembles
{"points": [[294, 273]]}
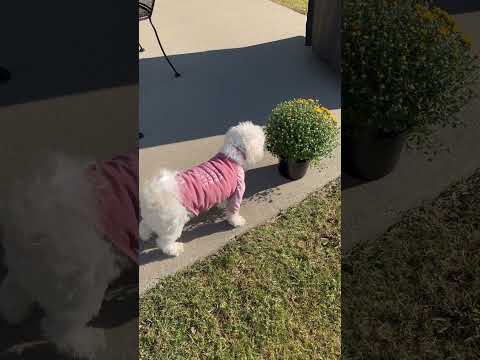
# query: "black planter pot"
{"points": [[371, 154], [292, 169]]}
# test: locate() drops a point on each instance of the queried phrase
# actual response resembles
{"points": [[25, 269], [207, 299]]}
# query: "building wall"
{"points": [[326, 31]]}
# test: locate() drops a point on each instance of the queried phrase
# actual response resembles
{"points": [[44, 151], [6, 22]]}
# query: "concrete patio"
{"points": [[238, 59]]}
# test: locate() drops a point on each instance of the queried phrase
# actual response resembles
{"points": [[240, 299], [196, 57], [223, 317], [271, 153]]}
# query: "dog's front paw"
{"points": [[236, 220], [173, 249]]}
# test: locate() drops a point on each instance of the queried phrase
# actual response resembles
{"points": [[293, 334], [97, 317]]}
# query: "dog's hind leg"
{"points": [[163, 211], [15, 304], [65, 323], [70, 309], [145, 231], [167, 238], [74, 338]]}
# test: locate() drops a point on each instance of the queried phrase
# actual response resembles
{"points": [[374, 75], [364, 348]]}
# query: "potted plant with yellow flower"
{"points": [[407, 69], [300, 132]]}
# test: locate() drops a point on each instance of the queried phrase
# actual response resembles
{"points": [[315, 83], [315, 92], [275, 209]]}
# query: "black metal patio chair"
{"points": [[145, 11]]}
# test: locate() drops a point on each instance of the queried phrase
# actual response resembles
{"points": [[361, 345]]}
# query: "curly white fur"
{"points": [[56, 258], [160, 202], [163, 212]]}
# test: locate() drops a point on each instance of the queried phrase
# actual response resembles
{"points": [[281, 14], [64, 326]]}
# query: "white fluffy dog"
{"points": [[57, 254], [170, 199]]}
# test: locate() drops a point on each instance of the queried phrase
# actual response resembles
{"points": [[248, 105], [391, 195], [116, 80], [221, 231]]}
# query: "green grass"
{"points": [[273, 293], [415, 293], [297, 5]]}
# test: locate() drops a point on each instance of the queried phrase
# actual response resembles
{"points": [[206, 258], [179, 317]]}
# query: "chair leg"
{"points": [[163, 51], [309, 25], [140, 48]]}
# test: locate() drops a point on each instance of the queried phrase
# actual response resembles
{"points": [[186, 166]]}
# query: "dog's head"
{"points": [[245, 143]]}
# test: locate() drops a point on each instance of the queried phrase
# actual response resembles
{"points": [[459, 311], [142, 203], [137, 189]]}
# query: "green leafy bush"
{"points": [[406, 67], [301, 130]]}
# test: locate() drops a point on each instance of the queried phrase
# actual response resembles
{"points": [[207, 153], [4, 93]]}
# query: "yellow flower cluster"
{"points": [[323, 110], [306, 101], [435, 14], [423, 12], [467, 40], [448, 24], [444, 30], [309, 103]]}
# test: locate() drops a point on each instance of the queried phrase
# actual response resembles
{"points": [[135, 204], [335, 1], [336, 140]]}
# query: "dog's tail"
{"points": [[51, 233], [54, 210], [161, 191], [161, 203]]}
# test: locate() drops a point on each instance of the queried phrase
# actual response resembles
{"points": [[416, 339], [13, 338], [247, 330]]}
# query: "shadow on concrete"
{"points": [[54, 50], [121, 302], [261, 185], [349, 181], [222, 87], [263, 182], [455, 7]]}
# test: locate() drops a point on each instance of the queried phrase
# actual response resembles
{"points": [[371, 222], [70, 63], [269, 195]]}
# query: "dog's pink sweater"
{"points": [[211, 183], [116, 183]]}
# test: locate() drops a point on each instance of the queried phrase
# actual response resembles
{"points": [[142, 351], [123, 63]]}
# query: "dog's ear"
{"points": [[256, 144]]}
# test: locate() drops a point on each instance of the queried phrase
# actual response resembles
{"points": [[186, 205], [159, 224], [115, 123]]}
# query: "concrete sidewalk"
{"points": [[238, 59]]}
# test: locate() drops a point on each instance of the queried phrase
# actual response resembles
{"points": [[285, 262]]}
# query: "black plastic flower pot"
{"points": [[371, 154], [292, 169]]}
